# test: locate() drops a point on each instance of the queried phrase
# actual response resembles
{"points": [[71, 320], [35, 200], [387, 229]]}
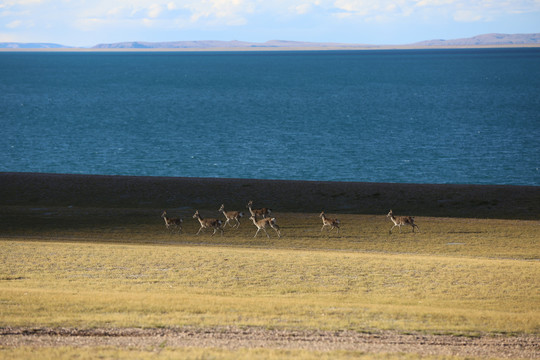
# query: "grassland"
{"points": [[90, 267]]}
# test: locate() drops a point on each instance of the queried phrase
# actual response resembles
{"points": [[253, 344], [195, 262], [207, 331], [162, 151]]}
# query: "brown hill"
{"points": [[486, 39], [480, 40], [210, 44]]}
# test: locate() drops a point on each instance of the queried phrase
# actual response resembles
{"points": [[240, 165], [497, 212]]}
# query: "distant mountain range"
{"points": [[480, 40], [209, 44], [486, 39]]}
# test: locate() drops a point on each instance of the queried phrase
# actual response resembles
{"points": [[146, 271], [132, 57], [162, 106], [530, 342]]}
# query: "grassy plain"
{"points": [[91, 267], [457, 276]]}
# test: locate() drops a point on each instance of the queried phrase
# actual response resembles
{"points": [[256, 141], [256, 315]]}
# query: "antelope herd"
{"points": [[261, 220]]}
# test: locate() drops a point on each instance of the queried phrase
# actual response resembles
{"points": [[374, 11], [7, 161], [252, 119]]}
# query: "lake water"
{"points": [[406, 116]]}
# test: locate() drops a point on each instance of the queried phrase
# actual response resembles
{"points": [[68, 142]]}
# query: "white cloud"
{"points": [[14, 24], [8, 38], [434, 2], [458, 10], [169, 13], [383, 10], [9, 3], [239, 11], [152, 18], [303, 7], [469, 16], [114, 11], [226, 11], [154, 10], [89, 24]]}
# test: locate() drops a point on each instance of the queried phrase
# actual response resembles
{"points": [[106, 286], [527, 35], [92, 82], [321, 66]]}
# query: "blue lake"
{"points": [[406, 116]]}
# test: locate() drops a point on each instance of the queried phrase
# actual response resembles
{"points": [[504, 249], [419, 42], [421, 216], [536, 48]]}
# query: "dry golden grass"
{"points": [[85, 267], [490, 238], [481, 279]]}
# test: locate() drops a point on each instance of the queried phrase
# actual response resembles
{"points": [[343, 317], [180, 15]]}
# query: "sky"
{"points": [[86, 23]]}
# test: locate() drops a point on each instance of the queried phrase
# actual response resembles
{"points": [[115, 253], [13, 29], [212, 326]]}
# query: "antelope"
{"points": [[261, 225], [399, 221], [255, 212], [333, 223], [231, 215], [208, 223], [172, 223]]}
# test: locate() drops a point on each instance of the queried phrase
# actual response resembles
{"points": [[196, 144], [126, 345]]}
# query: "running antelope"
{"points": [[333, 223], [256, 212], [261, 225], [231, 215], [172, 223], [208, 223], [399, 221]]}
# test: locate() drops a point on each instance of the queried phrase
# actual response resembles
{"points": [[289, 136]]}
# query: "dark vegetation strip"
{"points": [[440, 200]]}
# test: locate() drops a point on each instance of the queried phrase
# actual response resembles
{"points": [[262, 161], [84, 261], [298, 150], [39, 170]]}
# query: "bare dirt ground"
{"points": [[440, 200], [230, 338]]}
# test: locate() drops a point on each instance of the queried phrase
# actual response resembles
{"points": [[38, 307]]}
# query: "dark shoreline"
{"points": [[107, 191]]}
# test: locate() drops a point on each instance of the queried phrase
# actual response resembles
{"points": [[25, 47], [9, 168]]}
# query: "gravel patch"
{"points": [[231, 338]]}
